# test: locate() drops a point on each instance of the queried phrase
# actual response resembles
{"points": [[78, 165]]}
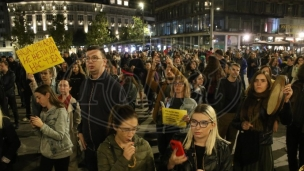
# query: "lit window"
{"points": [[70, 17], [80, 17], [126, 3], [49, 17], [119, 2], [39, 17], [112, 1], [90, 18], [39, 28]]}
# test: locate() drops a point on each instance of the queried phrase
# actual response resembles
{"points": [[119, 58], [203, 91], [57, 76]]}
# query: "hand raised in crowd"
{"points": [[30, 77], [129, 150], [36, 121], [132, 68], [186, 118], [82, 141], [175, 160], [169, 61], [288, 92], [246, 125], [155, 62]]}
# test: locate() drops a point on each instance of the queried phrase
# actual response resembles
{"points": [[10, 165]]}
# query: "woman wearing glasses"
{"points": [[179, 99], [204, 148], [123, 149]]}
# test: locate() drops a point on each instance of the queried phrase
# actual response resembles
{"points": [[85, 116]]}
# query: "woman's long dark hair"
{"points": [[214, 69], [43, 89], [119, 114]]}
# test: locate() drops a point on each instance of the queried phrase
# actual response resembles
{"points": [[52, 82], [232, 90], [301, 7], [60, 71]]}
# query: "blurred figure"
{"points": [[63, 72], [197, 89], [9, 144], [213, 73], [8, 78], [76, 77]]}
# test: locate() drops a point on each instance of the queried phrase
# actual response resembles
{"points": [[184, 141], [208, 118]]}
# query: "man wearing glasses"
{"points": [[99, 92]]}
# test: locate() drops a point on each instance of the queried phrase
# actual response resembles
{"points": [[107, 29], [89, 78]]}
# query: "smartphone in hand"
{"points": [[177, 145]]}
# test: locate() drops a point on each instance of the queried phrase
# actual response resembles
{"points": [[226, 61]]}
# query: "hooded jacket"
{"points": [[97, 97], [55, 140], [110, 156]]}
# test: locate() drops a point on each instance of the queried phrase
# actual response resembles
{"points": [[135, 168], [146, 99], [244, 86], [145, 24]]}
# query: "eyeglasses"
{"points": [[202, 124], [93, 58], [178, 83], [129, 129]]}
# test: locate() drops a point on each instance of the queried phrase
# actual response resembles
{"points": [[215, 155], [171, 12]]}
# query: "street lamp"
{"points": [[141, 4]]}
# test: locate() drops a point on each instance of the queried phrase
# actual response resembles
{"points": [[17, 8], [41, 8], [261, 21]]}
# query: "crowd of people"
{"points": [[87, 105]]}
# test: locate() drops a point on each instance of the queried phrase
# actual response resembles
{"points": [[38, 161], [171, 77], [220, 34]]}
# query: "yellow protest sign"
{"points": [[174, 117], [40, 56]]}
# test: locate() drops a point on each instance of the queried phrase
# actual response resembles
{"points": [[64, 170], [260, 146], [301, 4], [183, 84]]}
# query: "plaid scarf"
{"points": [[66, 101]]}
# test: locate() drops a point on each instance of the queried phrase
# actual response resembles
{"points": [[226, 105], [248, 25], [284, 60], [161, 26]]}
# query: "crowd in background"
{"points": [[92, 96]]}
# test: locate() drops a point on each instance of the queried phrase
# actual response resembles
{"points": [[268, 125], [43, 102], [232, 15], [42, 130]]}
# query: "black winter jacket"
{"points": [[8, 82], [9, 141], [97, 97], [219, 160]]}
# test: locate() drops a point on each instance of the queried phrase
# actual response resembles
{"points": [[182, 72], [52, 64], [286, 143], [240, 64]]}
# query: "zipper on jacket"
{"points": [[91, 96]]}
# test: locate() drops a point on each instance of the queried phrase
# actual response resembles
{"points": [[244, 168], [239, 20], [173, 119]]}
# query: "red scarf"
{"points": [[66, 101]]}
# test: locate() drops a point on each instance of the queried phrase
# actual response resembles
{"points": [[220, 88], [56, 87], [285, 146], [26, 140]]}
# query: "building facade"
{"points": [[237, 24], [79, 14], [6, 48]]}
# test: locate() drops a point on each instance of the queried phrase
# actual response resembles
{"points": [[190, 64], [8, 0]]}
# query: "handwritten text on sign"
{"points": [[174, 117], [40, 56]]}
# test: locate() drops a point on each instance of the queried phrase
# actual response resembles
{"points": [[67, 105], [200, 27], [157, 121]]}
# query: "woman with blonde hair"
{"points": [[203, 146], [179, 99]]}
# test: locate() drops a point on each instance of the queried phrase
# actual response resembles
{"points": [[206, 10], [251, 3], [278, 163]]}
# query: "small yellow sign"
{"points": [[174, 117], [40, 56]]}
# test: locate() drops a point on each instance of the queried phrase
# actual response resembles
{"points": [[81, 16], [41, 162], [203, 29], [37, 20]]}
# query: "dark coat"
{"points": [[219, 160], [8, 82], [97, 97], [248, 141], [9, 141]]}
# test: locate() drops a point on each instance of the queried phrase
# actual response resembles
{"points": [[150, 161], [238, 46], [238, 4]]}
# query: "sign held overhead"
{"points": [[40, 56]]}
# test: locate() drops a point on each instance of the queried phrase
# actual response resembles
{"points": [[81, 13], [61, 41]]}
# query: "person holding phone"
{"points": [[53, 128], [203, 146], [123, 150]]}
